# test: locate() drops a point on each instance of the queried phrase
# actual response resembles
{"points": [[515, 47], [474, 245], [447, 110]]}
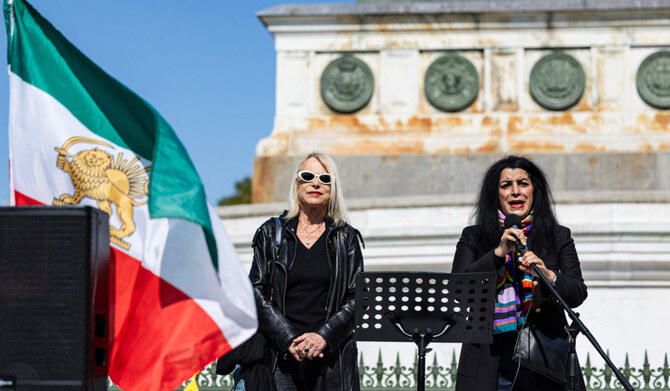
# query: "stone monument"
{"points": [[416, 98]]}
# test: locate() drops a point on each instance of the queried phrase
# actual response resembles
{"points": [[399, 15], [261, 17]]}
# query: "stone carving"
{"points": [[451, 83], [557, 81], [347, 85], [653, 80]]}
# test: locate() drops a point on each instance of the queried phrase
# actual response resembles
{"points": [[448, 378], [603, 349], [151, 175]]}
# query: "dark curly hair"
{"points": [[486, 210]]}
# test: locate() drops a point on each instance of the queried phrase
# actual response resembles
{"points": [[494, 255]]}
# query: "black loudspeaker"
{"points": [[54, 298]]}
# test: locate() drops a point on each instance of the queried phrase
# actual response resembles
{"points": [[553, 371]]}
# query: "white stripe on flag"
{"points": [[173, 249]]}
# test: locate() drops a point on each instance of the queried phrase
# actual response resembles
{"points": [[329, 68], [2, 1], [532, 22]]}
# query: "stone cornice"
{"points": [[460, 7]]}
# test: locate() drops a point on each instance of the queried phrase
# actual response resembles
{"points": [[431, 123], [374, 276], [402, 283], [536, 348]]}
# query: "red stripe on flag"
{"points": [[24, 200], [161, 336]]}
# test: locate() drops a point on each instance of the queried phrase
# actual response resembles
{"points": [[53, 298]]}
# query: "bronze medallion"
{"points": [[653, 80], [347, 85], [451, 83], [557, 81]]}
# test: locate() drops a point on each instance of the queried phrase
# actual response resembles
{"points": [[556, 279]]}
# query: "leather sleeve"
{"points": [[341, 324], [271, 322]]}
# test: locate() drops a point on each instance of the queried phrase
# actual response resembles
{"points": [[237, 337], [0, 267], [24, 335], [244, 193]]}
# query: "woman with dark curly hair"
{"points": [[515, 185]]}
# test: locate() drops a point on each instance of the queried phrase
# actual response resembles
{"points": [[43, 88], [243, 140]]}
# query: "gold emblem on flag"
{"points": [[109, 180]]}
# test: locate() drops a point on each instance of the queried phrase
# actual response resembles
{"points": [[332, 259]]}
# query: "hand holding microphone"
{"points": [[512, 237], [528, 260], [513, 228]]}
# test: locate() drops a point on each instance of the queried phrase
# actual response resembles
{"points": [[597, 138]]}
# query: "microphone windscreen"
{"points": [[512, 220]]}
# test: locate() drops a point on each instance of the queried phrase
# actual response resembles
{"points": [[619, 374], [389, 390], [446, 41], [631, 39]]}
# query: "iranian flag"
{"points": [[181, 298]]}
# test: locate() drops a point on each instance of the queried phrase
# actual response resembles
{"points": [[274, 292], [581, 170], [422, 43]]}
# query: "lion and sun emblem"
{"points": [[100, 176]]}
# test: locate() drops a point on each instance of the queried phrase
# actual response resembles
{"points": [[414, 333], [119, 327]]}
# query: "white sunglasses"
{"points": [[308, 176]]}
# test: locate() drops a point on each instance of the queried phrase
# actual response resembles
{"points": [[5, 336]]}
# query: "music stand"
{"points": [[425, 307]]}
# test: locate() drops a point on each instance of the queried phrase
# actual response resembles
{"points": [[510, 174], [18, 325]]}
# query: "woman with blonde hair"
{"points": [[305, 287]]}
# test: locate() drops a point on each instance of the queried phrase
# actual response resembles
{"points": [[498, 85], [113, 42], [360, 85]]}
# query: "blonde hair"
{"points": [[336, 208]]}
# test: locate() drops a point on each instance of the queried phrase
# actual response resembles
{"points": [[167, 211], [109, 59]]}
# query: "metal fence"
{"points": [[398, 377]]}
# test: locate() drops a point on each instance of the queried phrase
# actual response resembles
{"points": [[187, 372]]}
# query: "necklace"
{"points": [[309, 233]]}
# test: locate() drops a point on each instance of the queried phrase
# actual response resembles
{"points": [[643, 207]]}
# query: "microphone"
{"points": [[514, 221]]}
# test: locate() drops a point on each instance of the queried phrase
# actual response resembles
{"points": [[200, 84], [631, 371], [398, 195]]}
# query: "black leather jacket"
{"points": [[340, 369]]}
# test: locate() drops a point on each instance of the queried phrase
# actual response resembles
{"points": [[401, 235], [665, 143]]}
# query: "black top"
{"points": [[307, 287]]}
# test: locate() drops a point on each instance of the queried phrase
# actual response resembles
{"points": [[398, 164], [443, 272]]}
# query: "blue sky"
{"points": [[208, 66]]}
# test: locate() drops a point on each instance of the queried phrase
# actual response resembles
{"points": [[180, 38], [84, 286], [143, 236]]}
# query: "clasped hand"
{"points": [[307, 346]]}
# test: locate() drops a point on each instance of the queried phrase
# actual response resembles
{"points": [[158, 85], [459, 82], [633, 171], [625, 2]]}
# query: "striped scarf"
{"points": [[514, 290]]}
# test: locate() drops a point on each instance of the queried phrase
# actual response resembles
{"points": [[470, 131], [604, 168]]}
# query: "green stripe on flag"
{"points": [[44, 58]]}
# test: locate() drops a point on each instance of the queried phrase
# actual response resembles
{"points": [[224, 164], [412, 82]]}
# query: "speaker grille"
{"points": [[47, 267]]}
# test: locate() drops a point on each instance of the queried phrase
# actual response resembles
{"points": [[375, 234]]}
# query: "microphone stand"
{"points": [[572, 375], [421, 338], [580, 327]]}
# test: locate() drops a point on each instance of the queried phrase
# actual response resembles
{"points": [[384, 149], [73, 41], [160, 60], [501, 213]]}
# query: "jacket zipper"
{"points": [[276, 359], [286, 273], [330, 286]]}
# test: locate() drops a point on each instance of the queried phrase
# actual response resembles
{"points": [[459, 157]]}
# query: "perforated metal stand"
{"points": [[424, 307]]}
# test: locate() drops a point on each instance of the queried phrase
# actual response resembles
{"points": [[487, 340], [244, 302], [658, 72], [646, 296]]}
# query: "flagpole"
{"points": [[10, 3], [12, 21]]}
